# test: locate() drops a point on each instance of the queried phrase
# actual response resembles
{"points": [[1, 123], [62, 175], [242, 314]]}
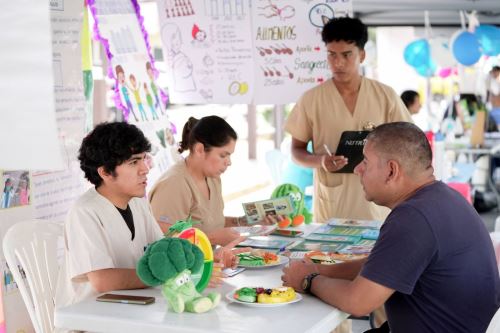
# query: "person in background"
{"points": [[192, 187], [493, 92], [347, 102], [433, 265], [411, 100]]}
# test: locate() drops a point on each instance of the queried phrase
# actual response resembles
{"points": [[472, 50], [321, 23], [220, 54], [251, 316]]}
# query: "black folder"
{"points": [[351, 146]]}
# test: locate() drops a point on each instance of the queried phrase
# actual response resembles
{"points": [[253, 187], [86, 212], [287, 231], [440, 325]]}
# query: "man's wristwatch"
{"points": [[307, 282]]}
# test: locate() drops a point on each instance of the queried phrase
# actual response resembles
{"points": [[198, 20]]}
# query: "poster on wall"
{"points": [[207, 48], [289, 55], [70, 105], [163, 148], [55, 192], [118, 25], [26, 91], [15, 188], [66, 19]]}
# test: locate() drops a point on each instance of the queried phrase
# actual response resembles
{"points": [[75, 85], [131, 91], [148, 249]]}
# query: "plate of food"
{"points": [[322, 258], [264, 297], [260, 259], [328, 258]]}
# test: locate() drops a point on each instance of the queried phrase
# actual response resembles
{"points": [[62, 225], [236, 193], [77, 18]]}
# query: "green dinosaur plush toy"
{"points": [[300, 213], [169, 262]]}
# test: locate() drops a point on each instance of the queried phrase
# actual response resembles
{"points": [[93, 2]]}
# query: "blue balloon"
{"points": [[417, 53], [489, 39], [465, 48], [427, 70]]}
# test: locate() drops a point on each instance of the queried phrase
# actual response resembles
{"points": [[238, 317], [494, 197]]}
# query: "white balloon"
{"points": [[441, 52]]}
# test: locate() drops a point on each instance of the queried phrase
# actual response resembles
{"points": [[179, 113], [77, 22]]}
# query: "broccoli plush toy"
{"points": [[300, 213], [169, 262]]}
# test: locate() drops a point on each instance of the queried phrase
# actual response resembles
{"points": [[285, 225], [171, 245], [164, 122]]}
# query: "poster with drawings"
{"points": [[206, 46], [131, 65], [163, 148], [289, 55]]}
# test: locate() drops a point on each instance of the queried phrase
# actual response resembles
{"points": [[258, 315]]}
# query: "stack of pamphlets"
{"points": [[364, 246], [255, 230], [307, 246], [265, 242], [342, 236]]}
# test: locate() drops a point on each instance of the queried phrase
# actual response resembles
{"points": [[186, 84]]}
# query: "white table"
{"points": [[308, 315]]}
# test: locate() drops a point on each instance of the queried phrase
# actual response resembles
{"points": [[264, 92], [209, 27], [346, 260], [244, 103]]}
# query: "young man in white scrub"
{"points": [[110, 225]]}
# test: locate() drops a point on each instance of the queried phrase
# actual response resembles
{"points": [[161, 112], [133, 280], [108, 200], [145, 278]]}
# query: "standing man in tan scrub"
{"points": [[347, 102]]}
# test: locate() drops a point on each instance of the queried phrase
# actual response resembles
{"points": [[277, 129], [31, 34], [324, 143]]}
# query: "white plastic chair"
{"points": [[494, 326], [497, 224], [32, 246], [275, 160]]}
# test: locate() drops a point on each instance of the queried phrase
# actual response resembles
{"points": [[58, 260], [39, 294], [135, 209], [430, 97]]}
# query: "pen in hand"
{"points": [[329, 153]]}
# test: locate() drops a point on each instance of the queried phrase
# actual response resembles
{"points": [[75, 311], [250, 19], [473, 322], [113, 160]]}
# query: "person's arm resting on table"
{"points": [[104, 280], [339, 285], [358, 297]]}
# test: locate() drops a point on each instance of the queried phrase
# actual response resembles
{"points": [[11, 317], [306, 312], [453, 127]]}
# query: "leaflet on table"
{"points": [[317, 246], [361, 248], [255, 230], [333, 238], [265, 242], [329, 230], [369, 224], [257, 210]]}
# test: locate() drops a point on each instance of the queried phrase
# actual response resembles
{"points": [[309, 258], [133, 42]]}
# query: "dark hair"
{"points": [[347, 29], [109, 145], [119, 69], [408, 97], [211, 131], [495, 68], [403, 142]]}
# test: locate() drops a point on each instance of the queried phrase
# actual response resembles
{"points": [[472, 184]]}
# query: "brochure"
{"points": [[369, 224], [364, 246], [265, 242], [338, 230], [356, 249], [370, 234], [256, 211], [351, 145], [333, 238], [256, 230], [328, 230], [317, 246]]}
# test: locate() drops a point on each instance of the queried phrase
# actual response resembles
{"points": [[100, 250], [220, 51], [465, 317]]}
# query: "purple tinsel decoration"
{"points": [[140, 18], [105, 44]]}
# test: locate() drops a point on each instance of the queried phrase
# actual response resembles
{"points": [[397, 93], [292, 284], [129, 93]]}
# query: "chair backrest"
{"points": [[497, 224], [30, 248], [494, 326], [275, 160]]}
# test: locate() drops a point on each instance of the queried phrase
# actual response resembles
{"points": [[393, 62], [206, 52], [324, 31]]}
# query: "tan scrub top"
{"points": [[321, 116], [175, 196]]}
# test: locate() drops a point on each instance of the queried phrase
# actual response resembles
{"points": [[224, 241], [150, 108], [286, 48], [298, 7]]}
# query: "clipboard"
{"points": [[351, 146]]}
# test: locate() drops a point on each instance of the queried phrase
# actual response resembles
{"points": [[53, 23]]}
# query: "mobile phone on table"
{"points": [[229, 272], [287, 233], [126, 299]]}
